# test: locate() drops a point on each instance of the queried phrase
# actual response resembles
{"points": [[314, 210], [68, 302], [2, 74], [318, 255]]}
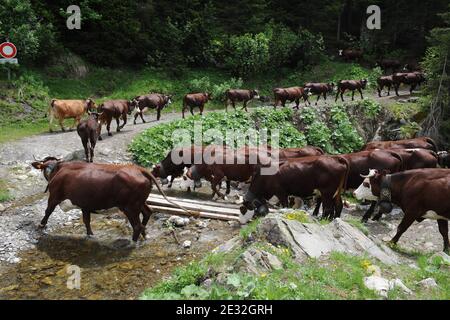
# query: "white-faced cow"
{"points": [[420, 193]]}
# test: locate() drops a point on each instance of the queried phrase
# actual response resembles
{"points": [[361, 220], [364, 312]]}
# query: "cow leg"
{"points": [[133, 216], [192, 110], [50, 124], [360, 92], [201, 109], [158, 114], [85, 141], [183, 110], [146, 212], [338, 206], [135, 117], [87, 221], [142, 116], [100, 131], [318, 97], [61, 123], [245, 106], [171, 181], [413, 87], [353, 95], [337, 95], [233, 104], [443, 229], [396, 86], [92, 146], [124, 118], [108, 126], [228, 183], [406, 222], [389, 89], [51, 205], [297, 103], [328, 207], [369, 212], [118, 124], [379, 90], [316, 209]]}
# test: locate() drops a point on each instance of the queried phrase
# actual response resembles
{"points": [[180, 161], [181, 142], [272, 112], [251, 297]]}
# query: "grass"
{"points": [[4, 193], [339, 276], [249, 229], [15, 131], [299, 215], [358, 225]]}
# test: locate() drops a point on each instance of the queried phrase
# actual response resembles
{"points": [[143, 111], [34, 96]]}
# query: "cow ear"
{"points": [[37, 165]]}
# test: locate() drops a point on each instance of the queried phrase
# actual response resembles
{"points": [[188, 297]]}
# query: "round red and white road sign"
{"points": [[8, 50]]}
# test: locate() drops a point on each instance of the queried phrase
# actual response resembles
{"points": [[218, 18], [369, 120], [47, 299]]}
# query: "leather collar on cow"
{"points": [[49, 169], [385, 202]]}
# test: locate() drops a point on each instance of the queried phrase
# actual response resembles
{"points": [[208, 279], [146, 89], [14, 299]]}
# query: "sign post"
{"points": [[8, 51]]}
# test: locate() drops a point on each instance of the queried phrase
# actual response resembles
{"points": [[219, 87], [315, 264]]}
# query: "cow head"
{"points": [[47, 165], [90, 104], [253, 199], [133, 104], [307, 91], [168, 99], [193, 173], [255, 94], [376, 186], [331, 86], [363, 83], [95, 115], [159, 172]]}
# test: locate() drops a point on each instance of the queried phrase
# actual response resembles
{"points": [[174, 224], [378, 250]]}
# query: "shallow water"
{"points": [[112, 266]]}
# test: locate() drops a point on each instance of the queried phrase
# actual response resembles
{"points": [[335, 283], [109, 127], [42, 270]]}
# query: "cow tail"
{"points": [[343, 183], [433, 143], [150, 177], [52, 105]]}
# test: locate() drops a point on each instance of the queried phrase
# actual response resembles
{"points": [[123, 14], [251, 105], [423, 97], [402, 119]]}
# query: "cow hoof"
{"points": [[110, 134], [41, 226], [100, 138], [134, 122]]}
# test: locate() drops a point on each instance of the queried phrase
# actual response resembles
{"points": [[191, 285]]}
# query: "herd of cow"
{"points": [[403, 172]]}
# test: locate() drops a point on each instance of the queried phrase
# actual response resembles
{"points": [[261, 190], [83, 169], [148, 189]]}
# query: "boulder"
{"points": [[314, 240], [427, 283], [259, 261]]}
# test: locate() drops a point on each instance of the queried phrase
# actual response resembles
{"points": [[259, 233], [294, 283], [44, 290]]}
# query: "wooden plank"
{"points": [[187, 205], [210, 203], [207, 215]]}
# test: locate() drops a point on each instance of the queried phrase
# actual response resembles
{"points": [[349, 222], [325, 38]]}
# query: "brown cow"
{"points": [[351, 54], [156, 101], [320, 89], [352, 85], [384, 81], [290, 94], [64, 109], [386, 64], [95, 187], [420, 143], [409, 78], [420, 193], [177, 160], [361, 162], [417, 158], [89, 132], [193, 100], [113, 109], [241, 95], [302, 178]]}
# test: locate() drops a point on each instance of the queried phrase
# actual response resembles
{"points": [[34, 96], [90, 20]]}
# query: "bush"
{"points": [[344, 135], [248, 54]]}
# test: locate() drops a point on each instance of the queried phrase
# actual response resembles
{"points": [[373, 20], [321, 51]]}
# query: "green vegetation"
{"points": [[4, 193], [339, 276], [336, 136], [299, 215], [249, 229]]}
